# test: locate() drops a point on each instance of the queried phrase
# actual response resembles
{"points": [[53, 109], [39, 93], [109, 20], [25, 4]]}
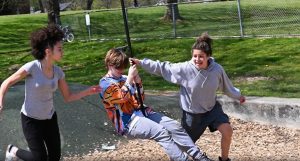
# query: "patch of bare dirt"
{"points": [[251, 142], [251, 80]]}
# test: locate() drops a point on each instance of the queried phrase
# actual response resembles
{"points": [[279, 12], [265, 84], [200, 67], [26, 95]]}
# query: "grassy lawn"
{"points": [[259, 67], [218, 18]]}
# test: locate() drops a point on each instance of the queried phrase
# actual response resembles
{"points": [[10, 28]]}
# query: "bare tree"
{"points": [[53, 12], [10, 7], [107, 3], [22, 6], [3, 5], [89, 4], [172, 4]]}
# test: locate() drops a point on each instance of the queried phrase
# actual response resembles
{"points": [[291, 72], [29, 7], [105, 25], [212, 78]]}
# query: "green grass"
{"points": [[277, 60], [219, 19], [15, 31], [259, 67]]}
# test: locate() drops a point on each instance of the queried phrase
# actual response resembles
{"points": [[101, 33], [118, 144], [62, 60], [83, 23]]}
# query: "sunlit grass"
{"points": [[259, 67]]}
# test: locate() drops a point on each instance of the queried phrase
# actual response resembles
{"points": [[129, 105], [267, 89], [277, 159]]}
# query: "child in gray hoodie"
{"points": [[199, 80]]}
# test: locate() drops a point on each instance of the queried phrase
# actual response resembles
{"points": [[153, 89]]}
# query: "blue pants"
{"points": [[166, 132]]}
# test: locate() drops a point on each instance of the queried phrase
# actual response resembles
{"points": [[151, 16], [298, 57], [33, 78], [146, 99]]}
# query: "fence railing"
{"points": [[240, 18]]}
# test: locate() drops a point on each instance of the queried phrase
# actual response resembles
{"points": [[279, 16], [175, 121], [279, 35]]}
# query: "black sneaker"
{"points": [[203, 158], [228, 159]]}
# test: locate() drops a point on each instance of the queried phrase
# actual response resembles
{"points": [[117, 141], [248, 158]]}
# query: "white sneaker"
{"points": [[9, 156]]}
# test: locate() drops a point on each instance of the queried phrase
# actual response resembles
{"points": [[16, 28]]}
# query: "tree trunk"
{"points": [[41, 6], [135, 3], [172, 4], [89, 4], [54, 12]]}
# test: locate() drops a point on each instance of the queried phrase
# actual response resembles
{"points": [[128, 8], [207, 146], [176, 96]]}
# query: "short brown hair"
{"points": [[116, 58]]}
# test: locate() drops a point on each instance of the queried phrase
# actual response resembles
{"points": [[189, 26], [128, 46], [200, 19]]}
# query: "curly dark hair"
{"points": [[45, 38]]}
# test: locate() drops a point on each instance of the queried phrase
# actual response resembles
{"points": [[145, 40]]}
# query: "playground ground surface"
{"points": [[86, 133]]}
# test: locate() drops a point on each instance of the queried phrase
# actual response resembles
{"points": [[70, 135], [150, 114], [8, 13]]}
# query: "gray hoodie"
{"points": [[198, 88]]}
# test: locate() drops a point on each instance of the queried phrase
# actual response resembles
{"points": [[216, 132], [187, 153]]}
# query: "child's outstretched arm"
{"points": [[69, 96]]}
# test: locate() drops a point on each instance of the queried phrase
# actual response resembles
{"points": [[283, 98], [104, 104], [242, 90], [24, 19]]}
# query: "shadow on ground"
{"points": [[84, 126]]}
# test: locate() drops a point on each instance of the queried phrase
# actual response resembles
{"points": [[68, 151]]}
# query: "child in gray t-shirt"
{"points": [[42, 78]]}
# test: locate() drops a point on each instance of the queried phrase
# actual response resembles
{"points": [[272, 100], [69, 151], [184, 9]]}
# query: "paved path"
{"points": [[83, 124]]}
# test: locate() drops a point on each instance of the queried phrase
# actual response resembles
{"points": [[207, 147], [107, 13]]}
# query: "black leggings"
{"points": [[43, 139]]}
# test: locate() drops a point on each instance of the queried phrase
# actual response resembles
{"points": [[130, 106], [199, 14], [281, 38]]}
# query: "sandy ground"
{"points": [[251, 142]]}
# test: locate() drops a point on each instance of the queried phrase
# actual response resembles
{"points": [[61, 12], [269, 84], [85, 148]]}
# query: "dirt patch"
{"points": [[251, 80], [251, 142]]}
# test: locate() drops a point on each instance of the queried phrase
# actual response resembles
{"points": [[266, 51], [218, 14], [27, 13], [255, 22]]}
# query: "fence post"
{"points": [[240, 18], [88, 24], [125, 18], [174, 20]]}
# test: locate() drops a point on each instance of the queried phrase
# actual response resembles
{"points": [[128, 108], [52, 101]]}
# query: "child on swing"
{"points": [[121, 103]]}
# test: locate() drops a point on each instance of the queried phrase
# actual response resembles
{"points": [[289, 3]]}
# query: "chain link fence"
{"points": [[271, 18], [240, 18]]}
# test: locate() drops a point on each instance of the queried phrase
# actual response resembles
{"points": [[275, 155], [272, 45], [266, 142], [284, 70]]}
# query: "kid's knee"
{"points": [[162, 135], [55, 157], [226, 131], [54, 154], [40, 156]]}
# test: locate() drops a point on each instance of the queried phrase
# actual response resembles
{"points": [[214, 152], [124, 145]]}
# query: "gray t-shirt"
{"points": [[39, 89]]}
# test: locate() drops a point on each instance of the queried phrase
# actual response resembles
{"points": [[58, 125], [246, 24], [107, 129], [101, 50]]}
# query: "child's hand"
{"points": [[242, 99], [137, 79], [94, 90], [1, 108], [132, 72], [134, 61]]}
